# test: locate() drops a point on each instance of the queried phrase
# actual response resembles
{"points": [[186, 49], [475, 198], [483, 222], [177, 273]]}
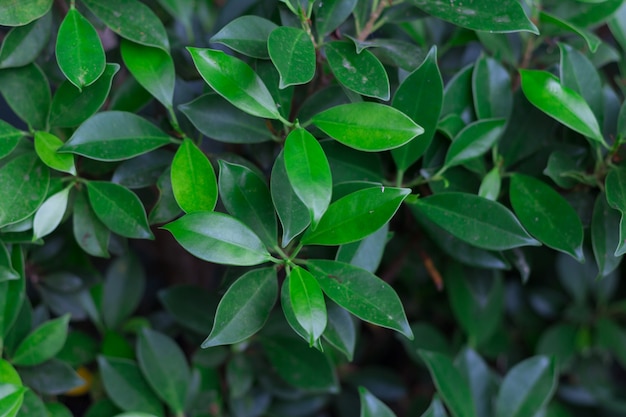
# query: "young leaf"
{"points": [[193, 179], [79, 52], [367, 126], [356, 216], [309, 172], [308, 303], [123, 288], [46, 146], [245, 307], [119, 209], [27, 91], [362, 73], [23, 44], [42, 343], [565, 105], [11, 15], [9, 138], [474, 140], [234, 80], [527, 387], [605, 235], [293, 54], [219, 238], [89, 232], [547, 215], [247, 35], [372, 406], [491, 87], [50, 214], [361, 293]]}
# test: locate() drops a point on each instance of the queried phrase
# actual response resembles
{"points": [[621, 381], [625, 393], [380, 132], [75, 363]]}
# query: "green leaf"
{"points": [[483, 223], [27, 92], [362, 73], [308, 172], [490, 185], [132, 20], [474, 140], [126, 387], [453, 388], [239, 375], [436, 409], [481, 381], [190, 306], [79, 52], [293, 214], [219, 238], [71, 107], [12, 293], [617, 24], [586, 13], [46, 146], [457, 96], [42, 343], [164, 365], [234, 80], [7, 272], [119, 209], [122, 291], [49, 215], [23, 44], [361, 293], [505, 16], [193, 179], [527, 387], [115, 136], [615, 187], [546, 92], [245, 307], [247, 35], [9, 138], [330, 14], [22, 198], [356, 216], [366, 253], [367, 126], [31, 404], [491, 85], [144, 170], [547, 215], [27, 11], [308, 303], [605, 235], [246, 196], [89, 232], [372, 406], [292, 320], [293, 54], [579, 74], [593, 41], [153, 68], [420, 96]]}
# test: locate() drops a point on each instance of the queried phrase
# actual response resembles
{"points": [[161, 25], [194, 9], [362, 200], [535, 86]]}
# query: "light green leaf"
{"points": [[193, 179], [293, 54], [27, 92], [308, 303], [42, 343], [12, 14], [490, 185], [46, 146], [372, 406], [23, 44], [50, 214], [11, 399], [89, 232], [247, 35], [474, 140], [292, 320], [9, 138]]}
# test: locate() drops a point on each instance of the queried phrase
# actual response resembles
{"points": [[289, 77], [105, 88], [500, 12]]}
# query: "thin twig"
{"points": [[369, 26]]}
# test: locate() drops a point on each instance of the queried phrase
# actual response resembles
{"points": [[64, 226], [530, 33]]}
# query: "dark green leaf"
{"points": [[330, 14], [9, 138], [219, 238], [27, 92], [166, 208], [50, 213], [491, 86], [23, 44], [28, 10], [247, 35], [361, 293], [457, 96], [605, 235], [308, 303], [190, 306], [193, 179], [474, 140], [592, 40], [559, 341], [586, 13], [42, 343], [89, 232], [547, 215], [46, 146], [122, 290], [32, 405], [372, 406], [366, 253], [615, 187], [7, 272], [579, 74], [436, 409], [142, 171], [12, 293], [340, 329], [293, 54], [51, 378], [481, 381], [244, 308], [239, 375]]}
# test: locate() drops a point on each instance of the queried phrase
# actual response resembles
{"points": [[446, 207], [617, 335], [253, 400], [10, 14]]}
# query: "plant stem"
{"points": [[369, 26]]}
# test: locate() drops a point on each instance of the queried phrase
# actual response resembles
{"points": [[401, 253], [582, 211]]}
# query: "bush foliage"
{"points": [[312, 207]]}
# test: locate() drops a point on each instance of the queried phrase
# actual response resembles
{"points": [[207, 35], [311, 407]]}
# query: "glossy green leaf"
{"points": [[367, 126], [347, 164], [474, 140], [490, 185], [31, 404], [219, 238], [491, 87], [27, 92], [9, 374], [49, 215], [579, 74], [89, 232], [615, 187], [292, 320], [119, 209], [153, 68], [122, 291], [234, 80], [605, 235], [42, 343], [71, 107], [244, 308], [115, 136], [366, 253], [483, 223], [246, 196], [46, 146], [457, 95], [126, 386], [22, 198], [617, 24], [526, 388], [164, 365], [23, 44], [436, 409], [362, 73], [361, 293], [308, 303], [356, 216], [308, 172], [505, 16], [9, 138], [7, 272], [420, 96], [546, 92], [28, 10], [340, 330], [144, 170], [293, 54], [330, 14], [193, 179], [586, 13], [132, 20], [247, 35], [216, 118], [547, 215], [592, 40], [79, 52], [372, 406], [453, 388], [482, 382]]}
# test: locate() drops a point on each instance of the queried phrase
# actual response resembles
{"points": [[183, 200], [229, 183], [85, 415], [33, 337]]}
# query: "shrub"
{"points": [[310, 208]]}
